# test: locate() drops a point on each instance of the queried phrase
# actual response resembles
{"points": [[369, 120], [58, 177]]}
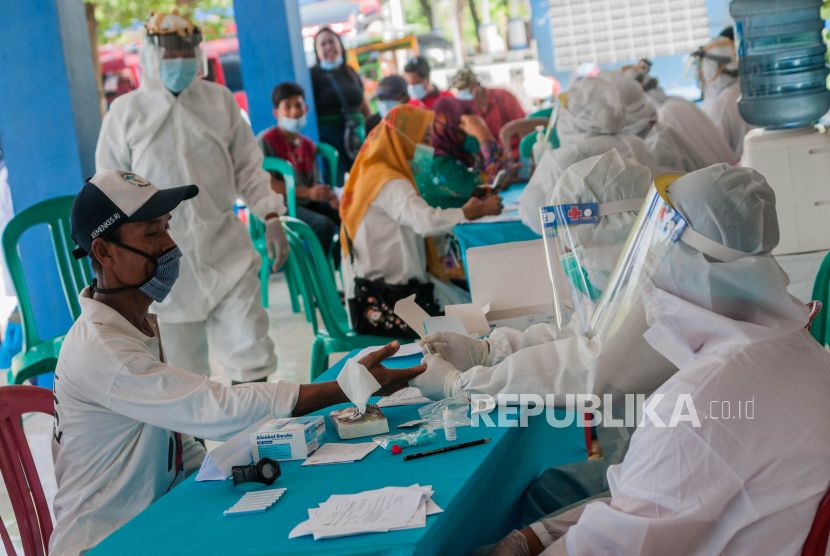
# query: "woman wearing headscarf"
{"points": [[590, 125], [385, 220], [466, 155], [673, 152], [339, 101]]}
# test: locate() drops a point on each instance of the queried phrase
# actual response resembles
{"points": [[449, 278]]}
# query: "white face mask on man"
{"points": [[292, 125]]}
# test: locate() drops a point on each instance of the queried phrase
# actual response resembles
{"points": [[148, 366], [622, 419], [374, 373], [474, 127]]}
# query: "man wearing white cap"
{"points": [[177, 128], [117, 400]]}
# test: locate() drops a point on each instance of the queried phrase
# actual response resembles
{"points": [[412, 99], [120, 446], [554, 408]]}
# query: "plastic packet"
{"points": [[458, 406], [421, 437]]}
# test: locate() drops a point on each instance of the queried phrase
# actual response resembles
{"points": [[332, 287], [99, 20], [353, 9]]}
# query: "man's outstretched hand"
{"points": [[391, 380]]}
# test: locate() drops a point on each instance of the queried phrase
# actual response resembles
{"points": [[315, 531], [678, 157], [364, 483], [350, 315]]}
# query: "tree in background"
{"points": [[119, 14]]}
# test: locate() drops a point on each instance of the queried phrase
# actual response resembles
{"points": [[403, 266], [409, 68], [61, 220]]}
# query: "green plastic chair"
{"points": [[543, 113], [821, 289], [308, 259], [526, 144], [41, 356]]}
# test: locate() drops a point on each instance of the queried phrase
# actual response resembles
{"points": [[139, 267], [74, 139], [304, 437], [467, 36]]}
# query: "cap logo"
{"points": [[102, 228], [134, 179]]}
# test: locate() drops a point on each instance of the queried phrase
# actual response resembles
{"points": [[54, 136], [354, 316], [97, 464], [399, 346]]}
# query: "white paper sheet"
{"points": [[387, 509], [404, 351], [335, 452], [357, 383], [405, 396], [237, 451]]}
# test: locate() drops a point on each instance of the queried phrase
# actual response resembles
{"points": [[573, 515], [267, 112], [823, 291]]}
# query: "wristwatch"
{"points": [[265, 471]]}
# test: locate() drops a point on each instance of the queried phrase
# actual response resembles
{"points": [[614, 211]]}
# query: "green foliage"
{"points": [[109, 13]]}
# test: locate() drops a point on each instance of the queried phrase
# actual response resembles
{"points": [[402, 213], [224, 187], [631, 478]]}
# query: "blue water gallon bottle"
{"points": [[781, 62]]}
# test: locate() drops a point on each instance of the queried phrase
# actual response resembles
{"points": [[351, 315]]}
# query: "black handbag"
{"points": [[372, 309], [351, 135]]}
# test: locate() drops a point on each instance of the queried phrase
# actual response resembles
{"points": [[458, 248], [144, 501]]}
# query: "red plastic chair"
{"points": [[816, 543], [18, 467]]}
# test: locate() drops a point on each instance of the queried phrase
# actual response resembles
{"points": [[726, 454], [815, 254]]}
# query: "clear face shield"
{"points": [[185, 50], [651, 241], [576, 257]]}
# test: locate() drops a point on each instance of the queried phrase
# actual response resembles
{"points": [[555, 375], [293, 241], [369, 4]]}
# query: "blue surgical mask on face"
{"points": [[292, 125], [384, 106], [465, 94], [165, 273], [328, 66], [177, 73], [417, 91]]}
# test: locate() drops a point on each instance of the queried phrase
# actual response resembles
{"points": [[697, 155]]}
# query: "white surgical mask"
{"points": [[328, 66], [417, 91], [384, 106], [292, 125], [465, 94]]}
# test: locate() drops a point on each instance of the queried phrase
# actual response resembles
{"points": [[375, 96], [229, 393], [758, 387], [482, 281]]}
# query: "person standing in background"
{"points": [[497, 106], [338, 98], [177, 128], [422, 92], [391, 92]]}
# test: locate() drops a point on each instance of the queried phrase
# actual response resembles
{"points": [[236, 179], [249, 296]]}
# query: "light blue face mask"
{"points": [[328, 66], [165, 273], [177, 73], [465, 94], [384, 106], [293, 125], [422, 159], [417, 91]]}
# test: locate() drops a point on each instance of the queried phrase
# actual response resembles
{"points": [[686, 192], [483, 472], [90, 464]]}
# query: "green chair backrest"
{"points": [[317, 275], [821, 292], [526, 144], [330, 156], [256, 227], [543, 113], [75, 274], [274, 164]]}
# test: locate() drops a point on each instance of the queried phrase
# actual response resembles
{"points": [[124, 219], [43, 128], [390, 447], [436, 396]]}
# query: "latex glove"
{"points": [[439, 381], [514, 544], [462, 351], [276, 242]]}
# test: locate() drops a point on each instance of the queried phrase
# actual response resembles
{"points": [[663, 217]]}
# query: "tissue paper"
{"points": [[357, 383]]}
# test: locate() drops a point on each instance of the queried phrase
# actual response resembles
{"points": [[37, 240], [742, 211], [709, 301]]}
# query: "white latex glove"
{"points": [[276, 242], [462, 351], [514, 544], [439, 381]]}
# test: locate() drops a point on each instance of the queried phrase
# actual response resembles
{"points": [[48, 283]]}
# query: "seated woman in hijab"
{"points": [[467, 156], [386, 224]]}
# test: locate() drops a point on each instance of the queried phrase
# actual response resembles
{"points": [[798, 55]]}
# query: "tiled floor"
{"points": [[293, 338]]}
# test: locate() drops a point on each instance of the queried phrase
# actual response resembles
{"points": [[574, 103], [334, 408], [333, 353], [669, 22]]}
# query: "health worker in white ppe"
{"points": [[673, 152], [178, 128], [592, 124], [727, 461], [547, 360], [721, 89], [701, 134]]}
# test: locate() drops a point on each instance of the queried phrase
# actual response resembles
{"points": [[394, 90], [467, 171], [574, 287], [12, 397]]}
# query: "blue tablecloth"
{"points": [[492, 233], [480, 489]]}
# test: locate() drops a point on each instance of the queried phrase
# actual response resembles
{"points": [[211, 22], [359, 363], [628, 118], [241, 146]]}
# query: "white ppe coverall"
{"points": [[720, 97], [673, 152], [591, 125], [735, 468], [199, 137]]}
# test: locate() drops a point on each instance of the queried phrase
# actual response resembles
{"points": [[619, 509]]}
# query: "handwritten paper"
{"points": [[333, 452]]}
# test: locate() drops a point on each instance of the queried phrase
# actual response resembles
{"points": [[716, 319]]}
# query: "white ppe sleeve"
{"points": [[253, 184], [623, 364], [193, 453], [112, 151], [550, 529], [164, 396], [505, 341], [538, 191], [401, 201]]}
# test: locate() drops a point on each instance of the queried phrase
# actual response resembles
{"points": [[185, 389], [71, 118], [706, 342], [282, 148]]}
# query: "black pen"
{"points": [[446, 449]]}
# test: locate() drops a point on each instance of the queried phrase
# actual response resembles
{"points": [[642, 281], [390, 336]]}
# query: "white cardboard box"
{"points": [[289, 438]]}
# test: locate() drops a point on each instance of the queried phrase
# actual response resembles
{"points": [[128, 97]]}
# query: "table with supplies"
{"points": [[480, 489], [505, 228]]}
